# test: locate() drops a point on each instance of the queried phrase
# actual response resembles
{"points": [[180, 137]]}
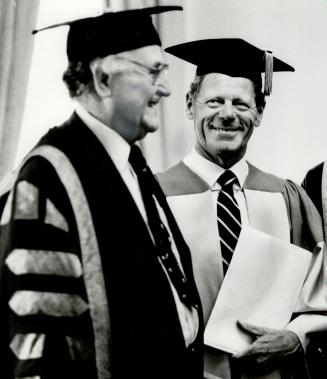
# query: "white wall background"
{"points": [[293, 133]]}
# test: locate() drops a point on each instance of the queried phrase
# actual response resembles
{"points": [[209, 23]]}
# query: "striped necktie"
{"points": [[228, 217]]}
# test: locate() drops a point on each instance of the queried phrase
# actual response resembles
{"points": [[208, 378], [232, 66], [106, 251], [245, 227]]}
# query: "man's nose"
{"points": [[163, 86], [227, 111]]}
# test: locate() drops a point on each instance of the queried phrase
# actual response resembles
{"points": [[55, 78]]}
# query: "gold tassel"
{"points": [[269, 69]]}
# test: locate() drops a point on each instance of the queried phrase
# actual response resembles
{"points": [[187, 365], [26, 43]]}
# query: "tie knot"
{"points": [[227, 179], [136, 159]]}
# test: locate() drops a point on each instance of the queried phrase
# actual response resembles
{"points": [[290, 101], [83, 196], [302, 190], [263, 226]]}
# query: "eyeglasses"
{"points": [[154, 72]]}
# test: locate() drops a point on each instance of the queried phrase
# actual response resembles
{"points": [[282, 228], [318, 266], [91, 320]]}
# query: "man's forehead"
{"points": [[151, 54], [219, 83]]}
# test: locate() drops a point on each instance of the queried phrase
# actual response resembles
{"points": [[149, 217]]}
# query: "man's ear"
{"points": [[189, 106], [258, 115], [100, 78]]}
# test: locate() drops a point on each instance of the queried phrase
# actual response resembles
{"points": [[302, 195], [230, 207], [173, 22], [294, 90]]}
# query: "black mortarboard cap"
{"points": [[230, 56], [111, 33]]}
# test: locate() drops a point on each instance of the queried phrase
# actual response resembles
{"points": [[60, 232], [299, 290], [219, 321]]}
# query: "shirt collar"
{"points": [[115, 145], [210, 171]]}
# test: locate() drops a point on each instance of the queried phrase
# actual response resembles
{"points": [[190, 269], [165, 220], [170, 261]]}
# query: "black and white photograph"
{"points": [[163, 189]]}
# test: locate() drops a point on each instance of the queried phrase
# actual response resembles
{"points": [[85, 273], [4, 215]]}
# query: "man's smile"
{"points": [[231, 129]]}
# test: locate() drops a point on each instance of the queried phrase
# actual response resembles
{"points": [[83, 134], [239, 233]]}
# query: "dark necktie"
{"points": [[150, 188], [228, 217]]}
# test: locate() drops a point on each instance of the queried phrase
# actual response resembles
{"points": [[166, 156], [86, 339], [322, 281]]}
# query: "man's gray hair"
{"points": [[78, 75]]}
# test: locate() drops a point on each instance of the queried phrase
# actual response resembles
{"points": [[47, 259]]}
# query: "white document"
{"points": [[262, 286]]}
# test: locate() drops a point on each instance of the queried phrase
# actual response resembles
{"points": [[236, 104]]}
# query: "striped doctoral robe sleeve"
{"points": [[45, 320]]}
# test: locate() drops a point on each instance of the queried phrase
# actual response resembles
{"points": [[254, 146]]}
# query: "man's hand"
{"points": [[270, 346]]}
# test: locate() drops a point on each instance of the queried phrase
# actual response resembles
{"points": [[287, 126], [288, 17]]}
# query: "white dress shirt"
{"points": [[210, 172], [118, 149]]}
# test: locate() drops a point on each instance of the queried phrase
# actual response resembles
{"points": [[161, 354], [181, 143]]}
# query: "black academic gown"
{"points": [[312, 185], [133, 318]]}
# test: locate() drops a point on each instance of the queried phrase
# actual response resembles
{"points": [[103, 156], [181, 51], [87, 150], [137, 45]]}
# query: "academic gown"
{"points": [[315, 185], [312, 184], [82, 293], [275, 206]]}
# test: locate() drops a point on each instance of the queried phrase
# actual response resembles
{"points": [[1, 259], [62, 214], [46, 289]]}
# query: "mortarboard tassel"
{"points": [[269, 69]]}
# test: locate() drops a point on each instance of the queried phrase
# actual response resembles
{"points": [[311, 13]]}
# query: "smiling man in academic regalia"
{"points": [[214, 191]]}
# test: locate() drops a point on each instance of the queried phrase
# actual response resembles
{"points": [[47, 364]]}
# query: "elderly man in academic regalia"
{"points": [[96, 280], [214, 192]]}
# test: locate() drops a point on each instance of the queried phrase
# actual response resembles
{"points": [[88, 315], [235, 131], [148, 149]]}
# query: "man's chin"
{"points": [[232, 154], [150, 126], [145, 129]]}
